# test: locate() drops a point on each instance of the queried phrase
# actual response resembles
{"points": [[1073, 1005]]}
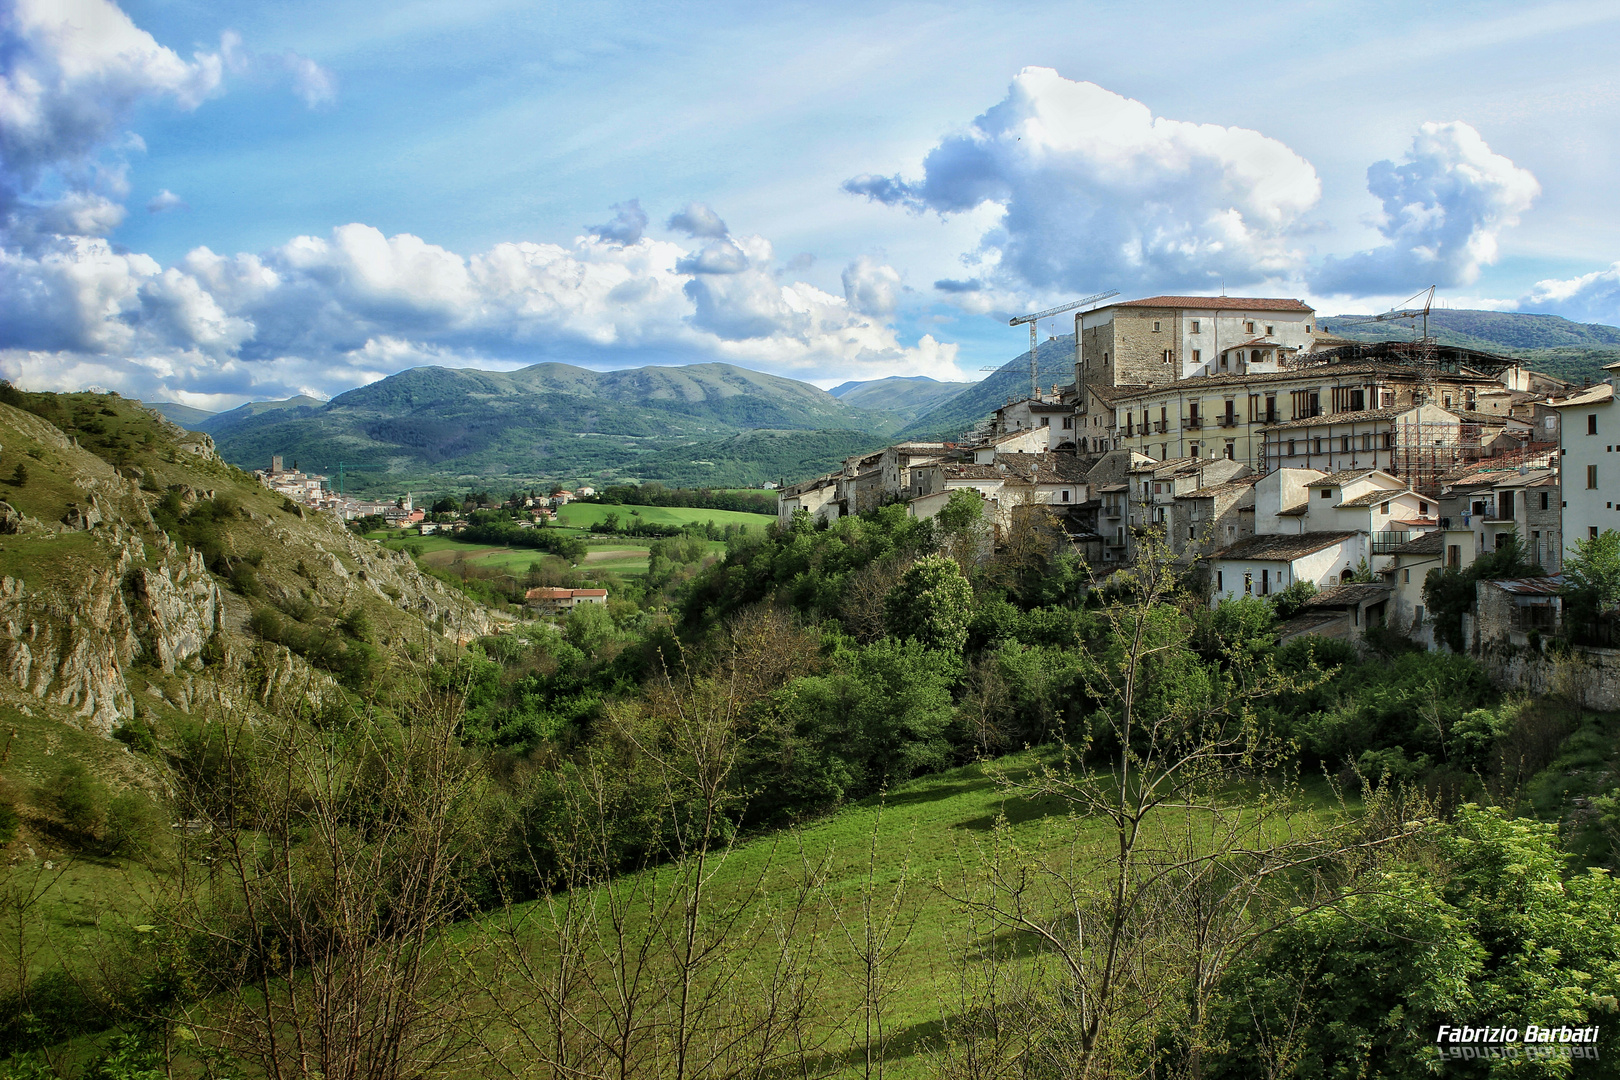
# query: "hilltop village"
{"points": [[1233, 431]]}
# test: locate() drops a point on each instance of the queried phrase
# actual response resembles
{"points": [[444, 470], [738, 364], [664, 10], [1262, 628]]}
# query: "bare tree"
{"points": [[1185, 843], [337, 860]]}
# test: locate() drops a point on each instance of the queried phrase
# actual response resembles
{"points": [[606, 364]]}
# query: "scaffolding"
{"points": [[1427, 450], [1424, 356]]}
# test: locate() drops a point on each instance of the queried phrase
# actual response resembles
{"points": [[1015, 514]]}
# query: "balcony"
{"points": [[1383, 543], [1228, 420], [1192, 423], [1161, 426]]}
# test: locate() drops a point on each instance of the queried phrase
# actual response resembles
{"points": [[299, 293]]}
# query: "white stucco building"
{"points": [[1589, 458]]}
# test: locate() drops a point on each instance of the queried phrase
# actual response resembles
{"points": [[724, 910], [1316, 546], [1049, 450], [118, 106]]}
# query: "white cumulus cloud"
{"points": [[331, 312], [72, 73], [1593, 297], [1444, 206], [1095, 191]]}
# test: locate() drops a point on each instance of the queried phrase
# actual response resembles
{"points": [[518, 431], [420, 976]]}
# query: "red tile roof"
{"points": [[1218, 303]]}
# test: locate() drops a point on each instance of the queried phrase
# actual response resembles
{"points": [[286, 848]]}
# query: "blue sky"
{"points": [[218, 202]]}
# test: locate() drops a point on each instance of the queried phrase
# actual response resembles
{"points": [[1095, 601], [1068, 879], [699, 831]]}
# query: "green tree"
{"points": [[963, 510], [19, 478], [1495, 930], [933, 603], [1591, 583]]}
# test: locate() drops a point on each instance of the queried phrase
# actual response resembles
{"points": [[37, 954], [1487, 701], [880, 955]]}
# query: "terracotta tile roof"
{"points": [[1551, 585], [1217, 303], [1050, 468], [1353, 594], [1275, 547], [1364, 416], [1317, 371], [1235, 486], [1372, 498], [1430, 543], [1594, 395], [1344, 476]]}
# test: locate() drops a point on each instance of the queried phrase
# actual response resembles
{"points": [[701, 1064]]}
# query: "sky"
{"points": [[212, 203]]}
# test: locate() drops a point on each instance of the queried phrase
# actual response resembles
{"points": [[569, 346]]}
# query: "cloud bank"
{"points": [[1094, 191], [1444, 207], [320, 314]]}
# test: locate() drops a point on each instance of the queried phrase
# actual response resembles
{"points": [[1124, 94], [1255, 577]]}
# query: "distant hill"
{"points": [[906, 397], [1054, 360], [553, 421], [184, 415], [1549, 343]]}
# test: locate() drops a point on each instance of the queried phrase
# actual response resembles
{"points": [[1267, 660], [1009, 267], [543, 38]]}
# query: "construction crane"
{"points": [[1403, 312], [1426, 359], [1032, 319]]}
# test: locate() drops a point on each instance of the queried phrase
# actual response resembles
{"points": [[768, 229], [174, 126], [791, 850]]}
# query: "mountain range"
{"points": [[710, 424]]}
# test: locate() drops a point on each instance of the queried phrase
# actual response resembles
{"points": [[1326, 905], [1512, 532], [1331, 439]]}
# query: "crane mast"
{"points": [[1035, 317]]}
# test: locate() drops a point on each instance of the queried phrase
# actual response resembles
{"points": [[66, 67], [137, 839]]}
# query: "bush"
{"points": [[132, 824], [138, 736], [79, 800]]}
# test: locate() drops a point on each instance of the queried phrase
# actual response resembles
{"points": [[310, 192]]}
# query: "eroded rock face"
{"points": [[73, 657], [176, 612]]}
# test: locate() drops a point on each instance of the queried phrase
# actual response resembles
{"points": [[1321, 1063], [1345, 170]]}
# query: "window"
{"points": [[1406, 576], [1290, 447], [1417, 615], [1591, 423], [1383, 508], [1068, 422], [1544, 500], [1155, 326], [1453, 556], [1366, 442], [1065, 494], [1197, 354], [1358, 400], [1169, 356], [1231, 449], [1220, 581], [1046, 421], [1248, 583], [1248, 328], [1316, 446], [1307, 328], [1265, 583], [1195, 329], [1591, 532], [1591, 478], [1269, 331], [1194, 450], [1327, 493], [1344, 444], [1423, 508]]}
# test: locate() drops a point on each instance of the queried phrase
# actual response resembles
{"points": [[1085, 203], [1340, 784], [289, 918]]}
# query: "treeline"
{"points": [[508, 534], [654, 494]]}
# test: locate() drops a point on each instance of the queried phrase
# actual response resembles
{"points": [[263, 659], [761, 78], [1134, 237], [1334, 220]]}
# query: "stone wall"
{"points": [[1589, 677]]}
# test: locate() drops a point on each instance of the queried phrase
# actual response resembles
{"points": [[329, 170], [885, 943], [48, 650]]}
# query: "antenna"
{"points": [[1035, 317]]}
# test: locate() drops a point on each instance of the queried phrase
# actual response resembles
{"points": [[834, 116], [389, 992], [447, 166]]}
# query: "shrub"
{"points": [[131, 824], [78, 799], [138, 736]]}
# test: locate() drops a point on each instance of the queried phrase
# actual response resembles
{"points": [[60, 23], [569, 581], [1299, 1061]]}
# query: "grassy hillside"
{"points": [[907, 398], [950, 418], [184, 415], [1549, 343], [703, 424]]}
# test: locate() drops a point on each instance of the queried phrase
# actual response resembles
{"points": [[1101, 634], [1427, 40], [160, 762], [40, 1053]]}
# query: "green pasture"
{"points": [[916, 850], [621, 556], [584, 515]]}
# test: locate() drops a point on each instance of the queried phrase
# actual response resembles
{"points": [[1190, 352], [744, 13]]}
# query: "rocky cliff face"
{"points": [[99, 599]]}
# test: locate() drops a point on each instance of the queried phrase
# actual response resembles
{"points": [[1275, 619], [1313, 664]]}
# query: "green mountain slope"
{"points": [[1549, 343], [1054, 361], [907, 398], [184, 415], [551, 421]]}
